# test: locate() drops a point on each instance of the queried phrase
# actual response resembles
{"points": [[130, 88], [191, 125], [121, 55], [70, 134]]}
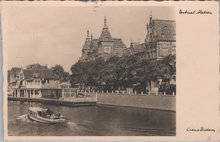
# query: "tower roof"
{"points": [[164, 29], [87, 42], [105, 35]]}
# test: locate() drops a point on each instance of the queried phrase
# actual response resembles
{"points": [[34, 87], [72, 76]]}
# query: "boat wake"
{"points": [[71, 123], [22, 118]]}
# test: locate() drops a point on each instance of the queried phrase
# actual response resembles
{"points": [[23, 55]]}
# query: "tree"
{"points": [[122, 72], [36, 67], [60, 72], [79, 73]]}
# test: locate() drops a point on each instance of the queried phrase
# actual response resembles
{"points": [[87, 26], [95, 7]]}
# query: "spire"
{"points": [[87, 41], [105, 35], [150, 17], [105, 23], [132, 44], [87, 33]]}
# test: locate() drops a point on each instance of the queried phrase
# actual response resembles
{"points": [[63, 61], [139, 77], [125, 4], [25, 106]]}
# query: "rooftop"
{"points": [[43, 73], [164, 29]]}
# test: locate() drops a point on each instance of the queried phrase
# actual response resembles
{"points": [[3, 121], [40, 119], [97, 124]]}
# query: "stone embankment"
{"points": [[159, 102]]}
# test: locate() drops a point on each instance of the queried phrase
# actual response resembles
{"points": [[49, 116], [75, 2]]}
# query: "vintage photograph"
{"points": [[91, 71]]}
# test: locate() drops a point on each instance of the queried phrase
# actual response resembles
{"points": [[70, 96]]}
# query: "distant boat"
{"points": [[45, 116]]}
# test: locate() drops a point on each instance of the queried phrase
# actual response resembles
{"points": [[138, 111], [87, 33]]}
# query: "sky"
{"points": [[55, 35]]}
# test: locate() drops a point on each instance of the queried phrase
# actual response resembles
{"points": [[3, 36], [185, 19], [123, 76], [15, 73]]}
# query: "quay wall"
{"points": [[159, 102], [54, 101]]}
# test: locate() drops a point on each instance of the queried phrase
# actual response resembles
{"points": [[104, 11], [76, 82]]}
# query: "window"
{"points": [[35, 75]]}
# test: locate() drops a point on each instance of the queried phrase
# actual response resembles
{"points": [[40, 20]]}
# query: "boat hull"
{"points": [[46, 120]]}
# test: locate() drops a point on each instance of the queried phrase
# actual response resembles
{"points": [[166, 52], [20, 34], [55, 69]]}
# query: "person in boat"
{"points": [[58, 114], [46, 113], [55, 116]]}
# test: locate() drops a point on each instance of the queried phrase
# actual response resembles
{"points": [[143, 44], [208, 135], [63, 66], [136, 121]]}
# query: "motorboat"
{"points": [[42, 115]]}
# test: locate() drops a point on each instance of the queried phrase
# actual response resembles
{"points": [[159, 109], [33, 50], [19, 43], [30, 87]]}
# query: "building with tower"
{"points": [[105, 46], [160, 41]]}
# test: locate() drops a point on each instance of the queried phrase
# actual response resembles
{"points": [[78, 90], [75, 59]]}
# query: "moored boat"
{"points": [[45, 116]]}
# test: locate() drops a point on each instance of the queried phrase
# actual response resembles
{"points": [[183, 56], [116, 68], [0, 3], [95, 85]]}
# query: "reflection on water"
{"points": [[92, 121]]}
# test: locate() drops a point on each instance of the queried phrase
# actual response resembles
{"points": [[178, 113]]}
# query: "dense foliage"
{"points": [[36, 67], [119, 73], [57, 70]]}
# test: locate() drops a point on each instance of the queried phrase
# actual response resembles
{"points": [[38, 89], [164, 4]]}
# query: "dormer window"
{"points": [[36, 75]]}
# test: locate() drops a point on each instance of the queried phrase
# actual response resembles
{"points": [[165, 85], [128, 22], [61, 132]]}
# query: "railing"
{"points": [[117, 92], [81, 100], [73, 95]]}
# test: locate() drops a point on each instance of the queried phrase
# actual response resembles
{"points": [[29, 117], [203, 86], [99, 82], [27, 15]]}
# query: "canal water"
{"points": [[92, 121]]}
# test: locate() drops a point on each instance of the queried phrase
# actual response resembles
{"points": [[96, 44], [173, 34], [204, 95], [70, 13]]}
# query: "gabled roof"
{"points": [[87, 44], [28, 74], [94, 43], [164, 29], [46, 73], [118, 43], [137, 48], [15, 70]]}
